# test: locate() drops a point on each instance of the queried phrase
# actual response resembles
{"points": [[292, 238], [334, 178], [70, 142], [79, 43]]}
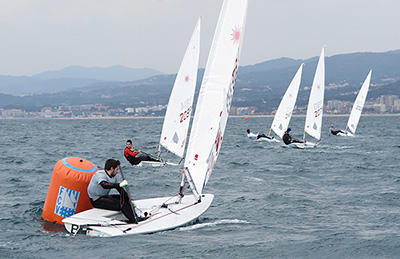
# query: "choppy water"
{"points": [[340, 200]]}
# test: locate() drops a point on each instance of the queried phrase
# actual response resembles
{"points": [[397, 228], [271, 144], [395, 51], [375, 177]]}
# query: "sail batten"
{"points": [[179, 109], [216, 93]]}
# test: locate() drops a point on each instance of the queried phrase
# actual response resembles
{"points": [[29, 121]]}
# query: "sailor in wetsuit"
{"points": [[101, 184], [334, 131], [253, 136], [133, 157], [287, 139]]}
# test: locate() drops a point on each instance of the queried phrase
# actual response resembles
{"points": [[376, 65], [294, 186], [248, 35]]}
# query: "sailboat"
{"points": [[356, 111], [285, 109], [315, 106], [205, 141], [177, 117]]}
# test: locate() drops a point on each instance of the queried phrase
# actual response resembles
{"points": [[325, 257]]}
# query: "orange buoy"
{"points": [[67, 192], [245, 118]]}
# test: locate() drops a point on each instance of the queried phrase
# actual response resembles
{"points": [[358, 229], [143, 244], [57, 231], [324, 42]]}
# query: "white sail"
{"points": [[177, 116], [285, 109], [316, 102], [358, 105], [216, 94]]}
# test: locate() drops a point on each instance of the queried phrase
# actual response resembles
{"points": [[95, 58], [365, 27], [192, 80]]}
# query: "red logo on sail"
{"points": [[236, 35]]}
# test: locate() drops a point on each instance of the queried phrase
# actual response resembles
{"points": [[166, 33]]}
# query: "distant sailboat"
{"points": [[285, 109], [315, 106], [204, 146], [177, 117], [356, 111]]}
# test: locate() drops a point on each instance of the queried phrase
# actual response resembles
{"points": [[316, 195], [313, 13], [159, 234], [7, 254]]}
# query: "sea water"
{"points": [[339, 200]]}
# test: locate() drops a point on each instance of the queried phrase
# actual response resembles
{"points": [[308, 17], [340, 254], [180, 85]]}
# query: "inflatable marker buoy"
{"points": [[67, 192]]}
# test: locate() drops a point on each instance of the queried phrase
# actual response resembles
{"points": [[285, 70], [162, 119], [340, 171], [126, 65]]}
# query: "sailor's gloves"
{"points": [[123, 183]]}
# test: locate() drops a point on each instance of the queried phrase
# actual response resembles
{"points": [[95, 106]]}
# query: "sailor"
{"points": [[253, 136], [287, 139], [101, 184], [134, 157], [335, 131]]}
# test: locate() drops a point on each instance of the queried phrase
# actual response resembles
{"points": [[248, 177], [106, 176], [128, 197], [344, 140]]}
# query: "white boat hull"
{"points": [[304, 145], [347, 134], [271, 140], [155, 164], [108, 223]]}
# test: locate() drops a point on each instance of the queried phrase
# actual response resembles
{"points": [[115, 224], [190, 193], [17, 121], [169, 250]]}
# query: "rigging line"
{"points": [[181, 160], [147, 154], [104, 221], [159, 151], [150, 220], [104, 224], [129, 197], [159, 206]]}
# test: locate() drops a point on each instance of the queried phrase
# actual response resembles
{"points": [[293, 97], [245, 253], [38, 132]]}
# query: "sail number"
{"points": [[184, 115], [317, 112], [229, 94], [318, 109]]}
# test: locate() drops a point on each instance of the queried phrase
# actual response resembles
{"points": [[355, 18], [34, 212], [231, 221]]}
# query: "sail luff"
{"points": [[358, 105], [285, 109], [216, 93], [316, 102], [177, 117]]}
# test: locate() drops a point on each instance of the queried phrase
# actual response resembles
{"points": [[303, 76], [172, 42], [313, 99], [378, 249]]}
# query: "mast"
{"points": [[215, 95]]}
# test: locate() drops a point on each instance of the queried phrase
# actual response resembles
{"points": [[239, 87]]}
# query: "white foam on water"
{"points": [[212, 224]]}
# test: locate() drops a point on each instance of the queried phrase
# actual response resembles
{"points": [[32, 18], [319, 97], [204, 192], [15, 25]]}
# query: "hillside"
{"points": [[70, 78], [261, 85]]}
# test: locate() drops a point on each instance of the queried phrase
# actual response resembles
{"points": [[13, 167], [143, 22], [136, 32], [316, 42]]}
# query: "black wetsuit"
{"points": [[263, 136], [118, 202], [335, 132], [287, 139], [135, 158]]}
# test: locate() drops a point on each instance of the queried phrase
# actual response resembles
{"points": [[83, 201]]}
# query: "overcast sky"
{"points": [[41, 35]]}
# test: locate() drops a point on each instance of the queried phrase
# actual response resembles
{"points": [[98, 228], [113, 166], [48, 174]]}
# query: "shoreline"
{"points": [[231, 116]]}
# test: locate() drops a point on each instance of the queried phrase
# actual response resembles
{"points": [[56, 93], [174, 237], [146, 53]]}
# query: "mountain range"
{"points": [[261, 85], [70, 78]]}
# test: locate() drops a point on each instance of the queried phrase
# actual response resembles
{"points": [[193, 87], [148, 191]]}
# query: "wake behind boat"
{"points": [[204, 146]]}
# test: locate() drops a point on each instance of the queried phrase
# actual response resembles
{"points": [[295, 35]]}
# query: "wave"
{"points": [[213, 224]]}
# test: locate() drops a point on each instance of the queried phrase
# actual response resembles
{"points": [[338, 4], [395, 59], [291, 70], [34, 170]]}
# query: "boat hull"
{"points": [[303, 145], [163, 214], [347, 134], [271, 140], [155, 164]]}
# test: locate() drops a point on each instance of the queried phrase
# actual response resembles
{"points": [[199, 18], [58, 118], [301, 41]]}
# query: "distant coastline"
{"points": [[325, 115], [232, 116]]}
